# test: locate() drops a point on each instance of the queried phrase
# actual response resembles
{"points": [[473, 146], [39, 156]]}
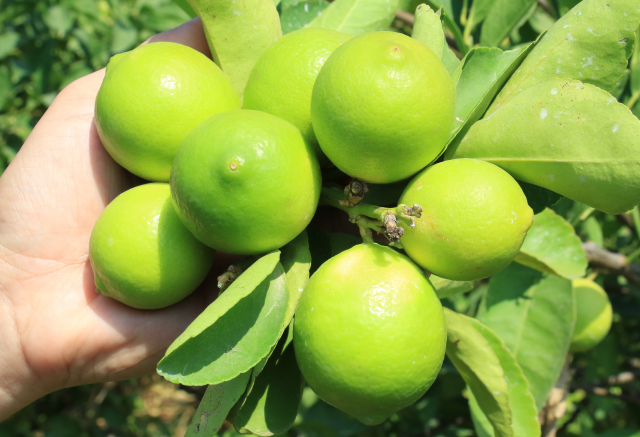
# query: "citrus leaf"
{"points": [[427, 29], [272, 405], [503, 17], [479, 366], [484, 72], [296, 261], [447, 287], [552, 246], [447, 15], [566, 136], [185, 7], [480, 9], [539, 198], [521, 402], [235, 332], [300, 14], [254, 24], [357, 16], [590, 44], [215, 405], [533, 314]]}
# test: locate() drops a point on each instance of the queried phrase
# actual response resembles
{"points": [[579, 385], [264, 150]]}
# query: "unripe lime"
{"points": [[141, 253], [369, 332], [593, 315], [245, 182], [283, 78], [382, 107], [474, 221], [150, 99]]}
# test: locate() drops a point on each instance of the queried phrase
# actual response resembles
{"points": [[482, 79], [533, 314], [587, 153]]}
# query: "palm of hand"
{"points": [[56, 329]]}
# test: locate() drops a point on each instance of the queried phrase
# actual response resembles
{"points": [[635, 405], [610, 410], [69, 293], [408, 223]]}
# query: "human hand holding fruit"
{"points": [[56, 330]]}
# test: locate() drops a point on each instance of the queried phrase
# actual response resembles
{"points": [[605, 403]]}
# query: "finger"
{"points": [[189, 34]]}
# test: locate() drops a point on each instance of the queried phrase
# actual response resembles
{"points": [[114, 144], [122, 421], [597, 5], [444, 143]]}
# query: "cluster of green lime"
{"points": [[369, 331]]}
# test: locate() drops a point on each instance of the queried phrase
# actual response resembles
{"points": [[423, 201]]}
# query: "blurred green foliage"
{"points": [[45, 45]]}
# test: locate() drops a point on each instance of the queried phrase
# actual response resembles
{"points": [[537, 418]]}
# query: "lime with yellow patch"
{"points": [[141, 253], [283, 78], [475, 218], [245, 182], [369, 332], [151, 98], [382, 107], [593, 315]]}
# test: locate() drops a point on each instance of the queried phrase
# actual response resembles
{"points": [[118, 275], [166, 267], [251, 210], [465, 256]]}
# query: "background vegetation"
{"points": [[45, 45]]}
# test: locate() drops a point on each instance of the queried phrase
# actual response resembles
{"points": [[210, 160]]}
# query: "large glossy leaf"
{"points": [[484, 72], [254, 24], [521, 402], [571, 138], [552, 246], [357, 16], [272, 406], [591, 44], [447, 287], [215, 405], [300, 14], [534, 315], [504, 16], [427, 29], [234, 333], [479, 11], [479, 366]]}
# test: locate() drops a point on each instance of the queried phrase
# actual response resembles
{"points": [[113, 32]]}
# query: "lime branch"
{"points": [[388, 221]]}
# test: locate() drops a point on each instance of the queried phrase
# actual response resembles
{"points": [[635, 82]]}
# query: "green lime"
{"points": [[382, 107], [150, 99], [474, 221], [245, 182], [141, 253], [369, 332], [593, 315], [282, 80]]}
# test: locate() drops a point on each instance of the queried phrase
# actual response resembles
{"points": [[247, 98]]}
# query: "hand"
{"points": [[55, 330]]}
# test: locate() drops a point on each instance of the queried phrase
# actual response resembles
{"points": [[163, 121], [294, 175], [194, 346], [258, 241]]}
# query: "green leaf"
{"points": [[447, 287], [296, 261], [8, 42], [477, 363], [254, 24], [504, 16], [300, 14], [427, 29], [566, 136], [449, 59], [272, 405], [215, 405], [447, 19], [589, 44], [357, 16], [185, 7], [541, 21], [534, 315], [484, 72], [59, 19], [594, 231], [521, 402], [124, 38], [634, 65], [539, 198], [479, 11], [552, 246], [235, 332]]}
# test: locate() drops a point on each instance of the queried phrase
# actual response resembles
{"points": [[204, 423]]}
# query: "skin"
{"points": [[56, 331]]}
